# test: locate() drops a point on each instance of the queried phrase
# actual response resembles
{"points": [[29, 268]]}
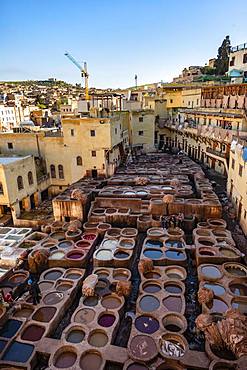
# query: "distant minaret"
{"points": [[136, 80]]}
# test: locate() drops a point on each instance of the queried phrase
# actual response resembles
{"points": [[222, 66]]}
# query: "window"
{"points": [[245, 58], [140, 133], [115, 131], [79, 161], [233, 164], [240, 170], [171, 101], [197, 102], [245, 214], [10, 145], [140, 119], [20, 183], [53, 171], [92, 132], [232, 61], [93, 153], [1, 188], [30, 178], [189, 103], [72, 132], [60, 171]]}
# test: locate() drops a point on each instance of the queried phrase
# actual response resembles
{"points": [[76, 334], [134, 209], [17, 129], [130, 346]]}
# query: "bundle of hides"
{"points": [[75, 223], [145, 265], [38, 261], [46, 228], [141, 180], [78, 195], [89, 285], [123, 288], [205, 296], [230, 332], [168, 198]]}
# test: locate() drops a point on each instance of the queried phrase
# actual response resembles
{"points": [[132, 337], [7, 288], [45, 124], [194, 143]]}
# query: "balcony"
{"points": [[216, 153]]}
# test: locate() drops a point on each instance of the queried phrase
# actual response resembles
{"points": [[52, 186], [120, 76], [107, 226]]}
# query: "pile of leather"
{"points": [[228, 332]]}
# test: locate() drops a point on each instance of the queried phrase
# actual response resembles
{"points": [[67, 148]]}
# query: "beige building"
{"points": [[141, 130], [238, 63], [237, 182]]}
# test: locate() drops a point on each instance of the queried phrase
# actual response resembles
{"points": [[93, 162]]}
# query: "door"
{"points": [[94, 174]]}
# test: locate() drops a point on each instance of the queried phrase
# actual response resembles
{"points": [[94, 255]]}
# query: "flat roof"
{"points": [[8, 160]]}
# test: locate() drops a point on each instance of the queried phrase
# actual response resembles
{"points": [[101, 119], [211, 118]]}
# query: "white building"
{"points": [[8, 118], [238, 64]]}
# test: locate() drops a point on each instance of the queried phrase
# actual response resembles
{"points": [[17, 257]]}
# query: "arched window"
{"points": [[79, 161], [30, 178], [1, 188], [20, 182], [53, 171], [60, 171]]}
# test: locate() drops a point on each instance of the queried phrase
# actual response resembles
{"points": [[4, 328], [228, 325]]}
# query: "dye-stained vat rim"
{"points": [[60, 350], [95, 352], [177, 337], [175, 317], [233, 264]]}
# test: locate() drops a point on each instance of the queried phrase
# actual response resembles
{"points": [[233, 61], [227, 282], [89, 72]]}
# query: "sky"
{"points": [[154, 39]]}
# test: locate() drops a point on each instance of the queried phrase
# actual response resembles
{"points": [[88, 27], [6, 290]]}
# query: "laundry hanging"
{"points": [[233, 145], [244, 155]]}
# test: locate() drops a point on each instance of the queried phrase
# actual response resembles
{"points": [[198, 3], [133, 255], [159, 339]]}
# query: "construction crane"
{"points": [[84, 73]]}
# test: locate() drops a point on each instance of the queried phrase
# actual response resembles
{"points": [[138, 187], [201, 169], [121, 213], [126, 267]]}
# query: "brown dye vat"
{"points": [[91, 360], [143, 348], [206, 242], [53, 298], [206, 252], [33, 333], [53, 275], [91, 301], [64, 286], [84, 316], [151, 287], [238, 289], [102, 273], [72, 274], [24, 312], [121, 274], [152, 275], [228, 252], [136, 366], [111, 302], [173, 303], [175, 273], [65, 359], [174, 323], [235, 270], [18, 277], [44, 314], [45, 285], [58, 235], [97, 338]]}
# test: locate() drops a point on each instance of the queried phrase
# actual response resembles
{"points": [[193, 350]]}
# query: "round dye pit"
{"points": [[83, 244], [205, 242], [153, 243], [18, 278], [89, 237], [152, 275], [175, 255], [110, 244], [216, 288], [136, 366], [75, 336], [211, 272], [24, 312], [102, 273], [173, 288], [91, 301], [121, 274], [172, 346], [238, 289], [101, 286], [57, 255], [33, 333], [241, 306], [137, 346], [44, 314], [206, 252], [149, 303], [84, 316], [175, 273], [235, 270], [218, 306], [146, 324], [97, 338], [106, 320], [65, 244], [151, 287], [111, 302], [91, 360], [58, 236], [174, 244], [104, 255], [227, 252], [53, 298], [174, 323], [75, 255], [63, 286], [154, 254], [53, 275], [73, 275], [65, 359], [173, 303], [126, 243], [121, 255]]}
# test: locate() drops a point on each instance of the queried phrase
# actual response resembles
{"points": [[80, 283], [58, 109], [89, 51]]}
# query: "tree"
{"points": [[222, 61]]}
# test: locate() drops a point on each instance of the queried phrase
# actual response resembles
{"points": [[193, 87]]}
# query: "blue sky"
{"points": [[154, 39]]}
